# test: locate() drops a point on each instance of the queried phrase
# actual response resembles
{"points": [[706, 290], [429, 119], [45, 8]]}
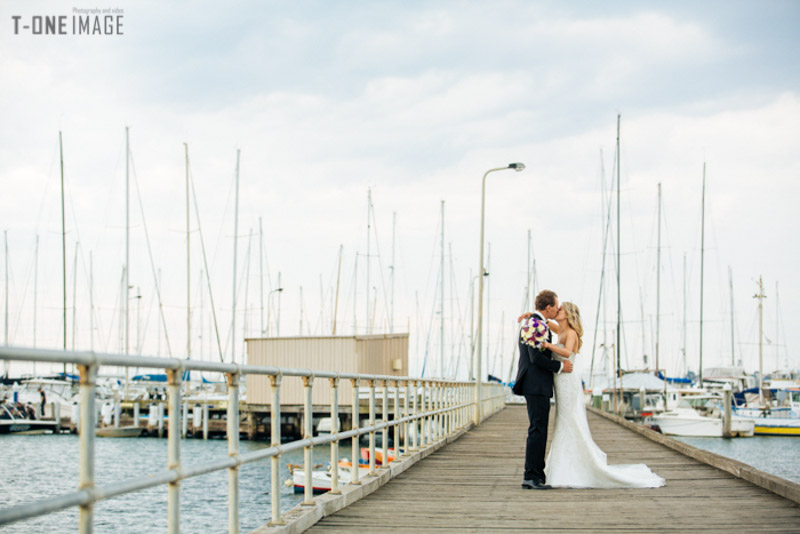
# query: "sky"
{"points": [[408, 104]]}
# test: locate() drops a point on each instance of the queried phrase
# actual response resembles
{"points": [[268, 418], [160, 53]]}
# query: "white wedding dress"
{"points": [[574, 460]]}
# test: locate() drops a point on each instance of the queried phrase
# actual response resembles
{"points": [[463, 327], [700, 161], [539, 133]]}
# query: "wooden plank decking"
{"points": [[473, 485]]}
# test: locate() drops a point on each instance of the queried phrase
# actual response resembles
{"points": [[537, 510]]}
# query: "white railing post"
{"points": [[407, 383], [396, 419], [136, 414], [87, 425], [356, 452], [423, 433], [385, 420], [371, 384], [232, 435], [275, 441], [334, 431], [174, 450], [415, 440], [308, 433]]}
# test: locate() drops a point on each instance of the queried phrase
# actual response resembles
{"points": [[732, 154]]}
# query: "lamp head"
{"points": [[517, 166]]}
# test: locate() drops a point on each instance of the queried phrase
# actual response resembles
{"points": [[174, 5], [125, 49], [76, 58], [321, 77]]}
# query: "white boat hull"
{"points": [[673, 424]]}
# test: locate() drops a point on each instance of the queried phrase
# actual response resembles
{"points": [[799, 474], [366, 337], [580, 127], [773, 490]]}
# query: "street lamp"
{"points": [[481, 271]]}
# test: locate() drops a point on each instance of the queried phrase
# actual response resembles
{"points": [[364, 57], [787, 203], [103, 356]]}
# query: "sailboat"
{"points": [[770, 418], [702, 415]]}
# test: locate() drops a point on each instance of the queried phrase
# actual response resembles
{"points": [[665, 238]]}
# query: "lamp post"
{"points": [[481, 271]]}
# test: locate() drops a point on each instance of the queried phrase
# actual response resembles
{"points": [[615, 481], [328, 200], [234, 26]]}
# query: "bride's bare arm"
{"points": [[569, 345], [554, 326]]}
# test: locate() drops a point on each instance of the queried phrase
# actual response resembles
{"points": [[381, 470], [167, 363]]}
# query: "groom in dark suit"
{"points": [[535, 383]]}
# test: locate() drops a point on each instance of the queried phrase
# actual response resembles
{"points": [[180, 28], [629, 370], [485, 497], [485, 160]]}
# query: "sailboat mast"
{"points": [[733, 346], [702, 266], [658, 284], [127, 243], [261, 271], [63, 251], [74, 292], [91, 301], [683, 332], [619, 264], [441, 304], [235, 241], [760, 296], [394, 233], [336, 300], [36, 290], [369, 222], [5, 241], [188, 261]]}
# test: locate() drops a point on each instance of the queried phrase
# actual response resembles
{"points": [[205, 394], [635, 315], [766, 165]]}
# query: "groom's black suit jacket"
{"points": [[535, 370]]}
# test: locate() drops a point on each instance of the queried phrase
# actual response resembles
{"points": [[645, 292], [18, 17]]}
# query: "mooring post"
{"points": [[726, 421]]}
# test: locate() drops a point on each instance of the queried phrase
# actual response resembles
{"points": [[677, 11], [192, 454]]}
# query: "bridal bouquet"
{"points": [[534, 332]]}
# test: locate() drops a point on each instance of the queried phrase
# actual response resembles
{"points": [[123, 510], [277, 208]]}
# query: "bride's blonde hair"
{"points": [[574, 320]]}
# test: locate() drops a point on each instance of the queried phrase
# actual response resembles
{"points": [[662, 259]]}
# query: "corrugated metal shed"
{"points": [[383, 354]]}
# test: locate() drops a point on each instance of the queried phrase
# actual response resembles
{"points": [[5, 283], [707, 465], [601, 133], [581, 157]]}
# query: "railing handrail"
{"points": [[445, 402]]}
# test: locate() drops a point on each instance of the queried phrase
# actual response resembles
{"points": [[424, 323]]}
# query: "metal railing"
{"points": [[431, 410]]}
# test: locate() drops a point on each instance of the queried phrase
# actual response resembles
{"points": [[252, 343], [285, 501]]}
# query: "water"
{"points": [[779, 456], [35, 467]]}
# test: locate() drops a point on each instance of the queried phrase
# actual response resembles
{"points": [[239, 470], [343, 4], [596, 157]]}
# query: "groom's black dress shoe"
{"points": [[535, 484]]}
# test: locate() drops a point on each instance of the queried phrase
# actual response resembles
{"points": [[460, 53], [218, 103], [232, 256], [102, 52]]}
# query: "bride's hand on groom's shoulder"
{"points": [[524, 316]]}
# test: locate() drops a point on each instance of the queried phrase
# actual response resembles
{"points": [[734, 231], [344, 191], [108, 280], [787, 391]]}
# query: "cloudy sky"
{"points": [[413, 102]]}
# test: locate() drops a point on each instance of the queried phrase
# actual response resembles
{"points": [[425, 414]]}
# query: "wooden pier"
{"points": [[473, 485]]}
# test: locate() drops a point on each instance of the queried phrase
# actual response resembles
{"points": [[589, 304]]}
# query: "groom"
{"points": [[535, 383]]}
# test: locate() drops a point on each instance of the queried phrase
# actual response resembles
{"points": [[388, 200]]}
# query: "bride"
{"points": [[574, 460]]}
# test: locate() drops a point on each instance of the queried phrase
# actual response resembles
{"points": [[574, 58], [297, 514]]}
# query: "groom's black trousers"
{"points": [[538, 416]]}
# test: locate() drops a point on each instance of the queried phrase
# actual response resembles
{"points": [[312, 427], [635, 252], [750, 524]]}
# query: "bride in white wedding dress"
{"points": [[574, 460]]}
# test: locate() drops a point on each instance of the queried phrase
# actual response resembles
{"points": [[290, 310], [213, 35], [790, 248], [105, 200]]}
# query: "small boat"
{"points": [[772, 421], [119, 432], [12, 421], [321, 479], [701, 416]]}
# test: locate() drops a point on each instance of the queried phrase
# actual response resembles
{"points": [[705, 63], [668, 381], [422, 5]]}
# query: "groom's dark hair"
{"points": [[545, 298]]}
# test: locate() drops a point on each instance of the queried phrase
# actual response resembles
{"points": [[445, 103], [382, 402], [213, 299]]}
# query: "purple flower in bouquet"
{"points": [[534, 332]]}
